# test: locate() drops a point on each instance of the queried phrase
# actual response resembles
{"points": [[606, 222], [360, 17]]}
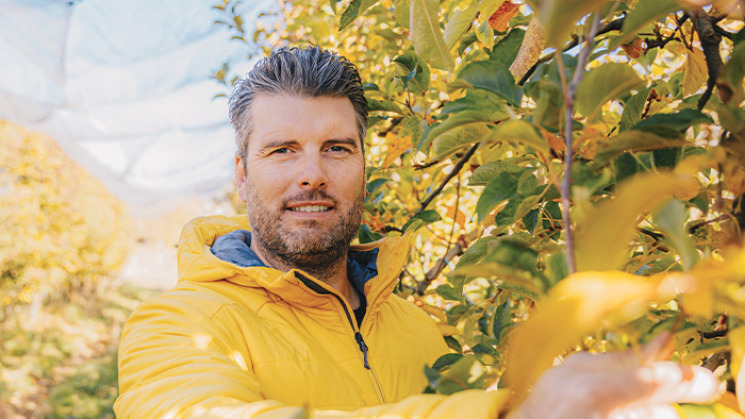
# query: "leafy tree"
{"points": [[575, 168]]}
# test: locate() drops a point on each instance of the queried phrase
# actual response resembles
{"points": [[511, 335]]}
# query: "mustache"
{"points": [[315, 195]]}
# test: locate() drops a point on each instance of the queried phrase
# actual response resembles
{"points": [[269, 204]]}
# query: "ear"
{"points": [[241, 182]]}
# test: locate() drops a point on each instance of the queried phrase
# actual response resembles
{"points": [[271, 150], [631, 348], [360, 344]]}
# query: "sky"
{"points": [[124, 88]]}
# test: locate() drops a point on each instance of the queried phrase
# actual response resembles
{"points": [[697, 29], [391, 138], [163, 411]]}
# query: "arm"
{"points": [[175, 363]]}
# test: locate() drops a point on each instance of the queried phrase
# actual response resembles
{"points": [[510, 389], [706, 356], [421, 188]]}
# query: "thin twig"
{"points": [[452, 174], [457, 250], [566, 183]]}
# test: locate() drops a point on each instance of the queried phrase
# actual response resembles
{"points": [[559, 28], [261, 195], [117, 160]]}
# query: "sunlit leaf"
{"points": [[603, 233], [695, 73], [458, 24], [396, 147], [530, 49], [574, 307], [485, 34], [426, 35]]}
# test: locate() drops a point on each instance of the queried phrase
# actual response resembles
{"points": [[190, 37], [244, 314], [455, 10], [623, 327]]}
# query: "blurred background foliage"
{"points": [[64, 238]]}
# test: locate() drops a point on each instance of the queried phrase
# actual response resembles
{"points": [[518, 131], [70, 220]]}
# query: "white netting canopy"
{"points": [[125, 89]]}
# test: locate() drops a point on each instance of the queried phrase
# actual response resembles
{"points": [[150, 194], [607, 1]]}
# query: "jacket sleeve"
{"points": [[172, 365]]}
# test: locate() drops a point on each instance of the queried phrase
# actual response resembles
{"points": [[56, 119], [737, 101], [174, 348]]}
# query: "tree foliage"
{"points": [[576, 169], [62, 230]]}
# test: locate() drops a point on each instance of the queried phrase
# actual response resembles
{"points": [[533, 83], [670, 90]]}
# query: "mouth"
{"points": [[310, 207]]}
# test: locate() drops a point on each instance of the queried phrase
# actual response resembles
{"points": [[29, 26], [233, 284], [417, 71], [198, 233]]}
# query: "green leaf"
{"points": [[643, 13], [374, 184], [421, 219], [633, 109], [671, 220], [365, 235], [445, 361], [485, 34], [520, 132], [448, 292], [476, 100], [679, 121], [507, 48], [355, 8], [515, 209], [402, 12], [502, 320], [374, 105], [494, 77], [604, 83], [426, 35], [500, 189], [633, 141], [458, 24], [460, 132], [509, 260], [413, 72], [490, 170]]}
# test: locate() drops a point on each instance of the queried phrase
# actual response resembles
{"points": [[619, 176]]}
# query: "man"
{"points": [[287, 317]]}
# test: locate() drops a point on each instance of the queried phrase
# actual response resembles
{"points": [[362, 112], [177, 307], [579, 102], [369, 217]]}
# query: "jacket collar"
{"points": [[378, 263]]}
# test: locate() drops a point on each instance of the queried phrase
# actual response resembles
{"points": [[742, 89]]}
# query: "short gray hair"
{"points": [[309, 72]]}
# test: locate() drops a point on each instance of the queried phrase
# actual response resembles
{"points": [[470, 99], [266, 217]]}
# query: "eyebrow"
{"points": [[284, 143]]}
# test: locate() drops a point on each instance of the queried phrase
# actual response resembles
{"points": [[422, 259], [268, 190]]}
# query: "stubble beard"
{"points": [[311, 248]]}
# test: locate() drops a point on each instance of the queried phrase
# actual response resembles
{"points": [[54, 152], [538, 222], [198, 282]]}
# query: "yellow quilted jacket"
{"points": [[233, 342]]}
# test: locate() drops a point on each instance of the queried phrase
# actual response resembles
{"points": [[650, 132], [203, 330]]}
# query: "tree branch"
{"points": [[566, 182], [710, 39], [452, 174]]}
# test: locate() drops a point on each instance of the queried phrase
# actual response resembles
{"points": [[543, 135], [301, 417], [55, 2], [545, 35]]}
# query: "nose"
{"points": [[312, 172]]}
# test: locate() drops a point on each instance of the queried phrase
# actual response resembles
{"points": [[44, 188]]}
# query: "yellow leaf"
{"points": [[447, 330], [396, 147], [737, 344], [530, 49], [602, 236], [457, 215], [695, 73], [575, 307]]}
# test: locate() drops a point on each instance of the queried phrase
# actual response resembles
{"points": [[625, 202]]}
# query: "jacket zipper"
{"points": [[357, 335]]}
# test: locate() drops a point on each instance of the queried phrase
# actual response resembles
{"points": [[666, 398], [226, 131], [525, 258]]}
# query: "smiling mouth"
{"points": [[310, 208]]}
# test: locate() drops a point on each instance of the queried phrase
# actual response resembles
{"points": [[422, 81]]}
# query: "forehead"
{"points": [[301, 118]]}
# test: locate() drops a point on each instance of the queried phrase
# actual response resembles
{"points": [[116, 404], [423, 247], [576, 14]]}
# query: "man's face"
{"points": [[304, 178]]}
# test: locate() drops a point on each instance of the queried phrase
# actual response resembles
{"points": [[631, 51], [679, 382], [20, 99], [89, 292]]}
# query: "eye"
{"points": [[281, 150], [338, 149]]}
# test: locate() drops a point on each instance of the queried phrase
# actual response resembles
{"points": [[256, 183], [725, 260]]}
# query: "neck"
{"points": [[333, 274]]}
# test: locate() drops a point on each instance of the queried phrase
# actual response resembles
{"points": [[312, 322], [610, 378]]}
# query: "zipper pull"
{"points": [[363, 347]]}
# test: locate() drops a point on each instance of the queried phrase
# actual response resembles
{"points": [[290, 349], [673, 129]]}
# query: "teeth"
{"points": [[311, 208]]}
